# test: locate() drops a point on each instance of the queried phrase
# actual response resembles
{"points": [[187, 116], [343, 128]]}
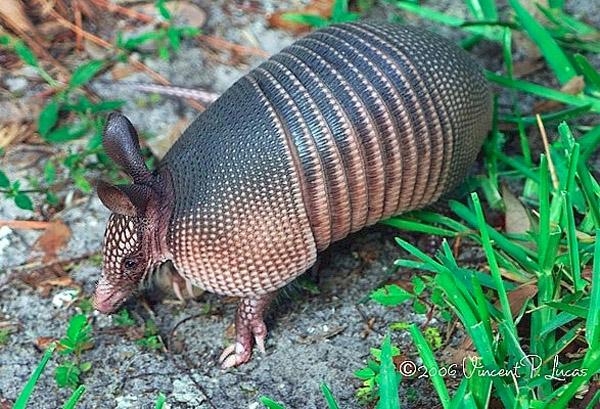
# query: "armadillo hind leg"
{"points": [[250, 328]]}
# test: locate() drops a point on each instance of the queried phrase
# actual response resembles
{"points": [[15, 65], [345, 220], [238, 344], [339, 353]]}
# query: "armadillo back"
{"points": [[349, 125], [383, 119]]}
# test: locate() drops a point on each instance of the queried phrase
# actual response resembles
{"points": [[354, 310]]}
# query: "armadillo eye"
{"points": [[129, 264]]}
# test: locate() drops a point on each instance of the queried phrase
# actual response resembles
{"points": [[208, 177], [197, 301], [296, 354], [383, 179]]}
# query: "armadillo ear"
{"points": [[120, 140], [127, 200]]}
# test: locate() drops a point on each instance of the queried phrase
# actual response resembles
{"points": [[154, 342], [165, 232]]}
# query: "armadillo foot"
{"points": [[178, 283], [250, 329]]}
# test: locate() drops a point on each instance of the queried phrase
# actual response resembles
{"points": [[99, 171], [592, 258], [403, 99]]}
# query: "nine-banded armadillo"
{"points": [[350, 125]]}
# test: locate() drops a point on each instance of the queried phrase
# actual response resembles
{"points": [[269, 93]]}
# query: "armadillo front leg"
{"points": [[249, 328]]}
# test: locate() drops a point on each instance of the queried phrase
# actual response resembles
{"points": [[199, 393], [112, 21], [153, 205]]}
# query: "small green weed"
{"points": [[123, 319], [167, 38], [151, 339], [370, 375], [340, 13], [85, 305], [4, 336], [78, 339]]}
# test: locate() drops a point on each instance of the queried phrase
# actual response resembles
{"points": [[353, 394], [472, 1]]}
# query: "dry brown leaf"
{"points": [[316, 7], [573, 87], [44, 342], [64, 281], [516, 218], [519, 296], [13, 132], [48, 277], [186, 12], [55, 237], [42, 273], [528, 66], [458, 355], [46, 286], [121, 70]]}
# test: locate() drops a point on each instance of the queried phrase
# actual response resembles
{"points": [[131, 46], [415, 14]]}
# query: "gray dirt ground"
{"points": [[313, 338]]}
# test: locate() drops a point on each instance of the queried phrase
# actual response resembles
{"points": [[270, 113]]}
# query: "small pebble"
{"points": [[64, 297], [16, 84]]}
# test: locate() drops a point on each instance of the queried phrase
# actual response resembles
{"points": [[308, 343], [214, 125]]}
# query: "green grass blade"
{"points": [[556, 4], [493, 264], [388, 380], [591, 75], [549, 93], [561, 319], [544, 208], [420, 255], [595, 402], [564, 341], [519, 253], [331, 403], [431, 14], [562, 115], [591, 363], [490, 12], [160, 401], [507, 51], [522, 168], [592, 332], [72, 402], [591, 192], [554, 55], [488, 359], [589, 142], [432, 367], [270, 403], [21, 402], [414, 226], [482, 307]]}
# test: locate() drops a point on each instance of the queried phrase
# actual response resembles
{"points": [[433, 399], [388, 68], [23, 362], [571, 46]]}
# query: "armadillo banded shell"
{"points": [[349, 125], [384, 119]]}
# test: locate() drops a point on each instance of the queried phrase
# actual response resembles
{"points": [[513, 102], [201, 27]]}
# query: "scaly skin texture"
{"points": [[347, 126]]}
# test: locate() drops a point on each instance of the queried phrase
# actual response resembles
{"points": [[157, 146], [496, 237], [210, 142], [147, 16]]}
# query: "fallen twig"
{"points": [[25, 224], [115, 8], [219, 43], [551, 167], [137, 64]]}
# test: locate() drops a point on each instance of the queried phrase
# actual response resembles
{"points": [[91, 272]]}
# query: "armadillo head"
{"points": [[135, 238]]}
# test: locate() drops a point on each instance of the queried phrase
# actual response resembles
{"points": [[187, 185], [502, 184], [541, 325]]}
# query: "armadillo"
{"points": [[349, 125]]}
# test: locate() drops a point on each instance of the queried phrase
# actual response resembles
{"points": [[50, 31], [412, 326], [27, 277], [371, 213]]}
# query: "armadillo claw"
{"points": [[235, 355], [226, 352], [260, 343], [177, 291], [189, 288]]}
